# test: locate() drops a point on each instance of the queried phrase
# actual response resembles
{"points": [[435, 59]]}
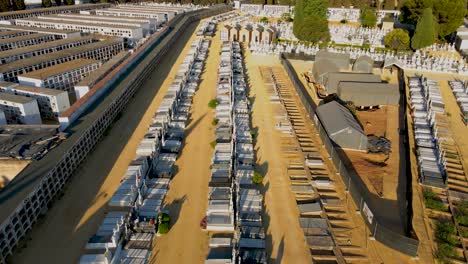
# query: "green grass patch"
{"points": [[432, 201], [213, 103], [213, 143], [214, 122]]}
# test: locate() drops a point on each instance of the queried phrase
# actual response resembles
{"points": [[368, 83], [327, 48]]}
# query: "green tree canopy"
{"points": [[368, 17], [310, 20], [425, 34], [69, 2], [46, 3], [5, 5], [397, 39], [19, 5], [286, 17], [448, 14], [58, 2]]}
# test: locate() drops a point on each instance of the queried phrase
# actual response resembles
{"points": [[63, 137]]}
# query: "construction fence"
{"points": [[354, 186]]}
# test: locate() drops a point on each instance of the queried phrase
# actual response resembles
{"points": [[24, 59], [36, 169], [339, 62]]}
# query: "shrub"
{"points": [[213, 143], [425, 34], [214, 122], [445, 252], [253, 133], [366, 46], [264, 19], [445, 232], [343, 21], [163, 228], [257, 178], [213, 103], [432, 201], [462, 215], [163, 223], [286, 17]]}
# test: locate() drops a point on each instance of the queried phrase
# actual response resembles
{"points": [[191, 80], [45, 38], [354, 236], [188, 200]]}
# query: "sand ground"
{"points": [[285, 239], [9, 168], [187, 198], [62, 234]]}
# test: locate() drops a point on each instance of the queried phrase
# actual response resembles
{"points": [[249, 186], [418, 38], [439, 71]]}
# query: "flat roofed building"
{"points": [[62, 76], [102, 51], [48, 47], [114, 22], [12, 33], [3, 120], [332, 79], [25, 40], [131, 32], [160, 17], [341, 126], [369, 94], [20, 109], [88, 82], [50, 10], [168, 13], [341, 60], [152, 22], [59, 33], [51, 102]]}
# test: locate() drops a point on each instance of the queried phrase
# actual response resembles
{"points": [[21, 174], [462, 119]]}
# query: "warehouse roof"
{"points": [[55, 55], [23, 37], [31, 89], [334, 78], [57, 69], [369, 94], [336, 118], [15, 98], [136, 11], [363, 64], [45, 45], [341, 60], [322, 67]]}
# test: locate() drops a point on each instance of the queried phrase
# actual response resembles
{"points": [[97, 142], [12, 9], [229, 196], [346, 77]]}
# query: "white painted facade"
{"points": [[20, 109], [62, 76], [160, 17], [51, 102], [131, 32]]}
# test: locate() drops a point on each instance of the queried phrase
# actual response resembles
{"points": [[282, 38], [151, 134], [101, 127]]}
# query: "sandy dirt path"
{"points": [[187, 198], [285, 239], [62, 234]]}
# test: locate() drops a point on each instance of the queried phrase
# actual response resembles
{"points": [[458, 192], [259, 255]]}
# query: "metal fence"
{"points": [[354, 185]]}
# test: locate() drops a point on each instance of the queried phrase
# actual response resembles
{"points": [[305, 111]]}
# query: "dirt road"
{"points": [[285, 239], [187, 198], [61, 236]]}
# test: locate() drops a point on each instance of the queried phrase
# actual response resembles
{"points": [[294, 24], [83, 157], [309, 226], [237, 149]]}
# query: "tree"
{"points": [[310, 20], [58, 2], [264, 19], [314, 29], [5, 5], [368, 17], [19, 5], [425, 34], [449, 15], [69, 2], [46, 3], [397, 39]]}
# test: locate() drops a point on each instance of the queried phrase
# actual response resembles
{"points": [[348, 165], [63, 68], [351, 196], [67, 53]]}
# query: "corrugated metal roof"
{"points": [[369, 94], [363, 64], [336, 118], [332, 79]]}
